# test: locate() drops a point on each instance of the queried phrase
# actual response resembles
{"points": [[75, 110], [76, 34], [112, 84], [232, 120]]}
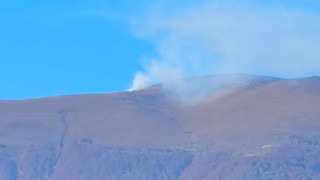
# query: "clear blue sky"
{"points": [[61, 47], [67, 47]]}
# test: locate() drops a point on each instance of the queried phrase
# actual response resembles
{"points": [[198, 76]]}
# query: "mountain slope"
{"points": [[248, 127]]}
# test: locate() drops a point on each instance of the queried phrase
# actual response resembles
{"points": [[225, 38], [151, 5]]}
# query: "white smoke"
{"points": [[230, 37], [156, 72], [140, 81]]}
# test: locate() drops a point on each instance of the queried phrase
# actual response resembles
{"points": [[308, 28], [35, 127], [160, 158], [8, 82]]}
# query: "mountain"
{"points": [[215, 127]]}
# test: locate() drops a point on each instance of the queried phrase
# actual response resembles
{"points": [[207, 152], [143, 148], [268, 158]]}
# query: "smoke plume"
{"points": [[224, 37]]}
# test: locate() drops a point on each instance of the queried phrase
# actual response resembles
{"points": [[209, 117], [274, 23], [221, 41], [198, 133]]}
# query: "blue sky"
{"points": [[63, 47], [66, 47]]}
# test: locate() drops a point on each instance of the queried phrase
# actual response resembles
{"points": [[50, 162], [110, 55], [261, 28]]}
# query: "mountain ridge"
{"points": [[246, 130]]}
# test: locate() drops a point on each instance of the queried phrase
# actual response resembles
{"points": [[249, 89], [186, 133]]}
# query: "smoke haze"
{"points": [[225, 37]]}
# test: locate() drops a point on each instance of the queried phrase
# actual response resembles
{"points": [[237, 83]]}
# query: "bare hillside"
{"points": [[252, 128]]}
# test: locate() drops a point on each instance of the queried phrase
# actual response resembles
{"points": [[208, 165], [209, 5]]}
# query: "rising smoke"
{"points": [[227, 38]]}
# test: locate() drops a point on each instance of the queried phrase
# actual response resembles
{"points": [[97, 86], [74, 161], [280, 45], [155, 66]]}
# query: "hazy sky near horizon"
{"points": [[50, 48]]}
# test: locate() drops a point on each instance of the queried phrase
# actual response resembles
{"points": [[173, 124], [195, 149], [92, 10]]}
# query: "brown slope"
{"points": [[121, 119], [249, 115], [254, 115]]}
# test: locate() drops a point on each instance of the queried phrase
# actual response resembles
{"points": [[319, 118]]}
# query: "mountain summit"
{"points": [[214, 127]]}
